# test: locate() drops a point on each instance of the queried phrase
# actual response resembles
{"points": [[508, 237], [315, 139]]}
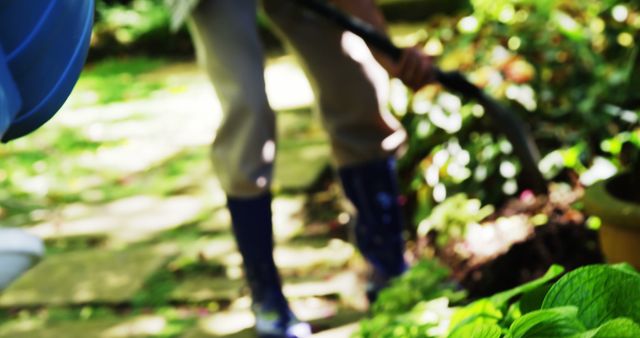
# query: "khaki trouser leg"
{"points": [[226, 37], [350, 86]]}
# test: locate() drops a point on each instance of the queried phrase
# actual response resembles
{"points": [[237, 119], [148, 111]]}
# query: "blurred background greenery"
{"points": [[570, 69]]}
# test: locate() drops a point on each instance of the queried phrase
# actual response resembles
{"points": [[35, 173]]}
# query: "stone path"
{"points": [[177, 248], [87, 277]]}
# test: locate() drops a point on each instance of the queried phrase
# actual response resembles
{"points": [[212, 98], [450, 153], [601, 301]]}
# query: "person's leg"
{"points": [[228, 46], [351, 90], [244, 148]]}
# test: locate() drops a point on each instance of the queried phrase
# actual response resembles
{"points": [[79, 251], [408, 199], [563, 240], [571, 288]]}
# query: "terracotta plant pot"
{"points": [[613, 202]]}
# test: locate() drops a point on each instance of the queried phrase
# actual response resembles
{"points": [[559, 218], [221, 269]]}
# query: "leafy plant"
{"points": [[425, 281], [592, 301], [450, 218], [414, 304], [568, 68]]}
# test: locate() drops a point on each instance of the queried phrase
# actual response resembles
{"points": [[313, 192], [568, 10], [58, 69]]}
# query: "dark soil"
{"points": [[564, 239], [569, 245]]}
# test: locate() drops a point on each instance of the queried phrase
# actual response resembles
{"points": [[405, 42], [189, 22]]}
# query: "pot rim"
{"points": [[613, 211], [18, 241]]}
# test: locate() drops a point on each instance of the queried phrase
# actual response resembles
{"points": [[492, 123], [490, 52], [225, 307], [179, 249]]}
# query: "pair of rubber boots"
{"points": [[372, 188]]}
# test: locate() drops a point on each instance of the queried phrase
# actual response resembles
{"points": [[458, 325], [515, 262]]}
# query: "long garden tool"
{"points": [[508, 123]]}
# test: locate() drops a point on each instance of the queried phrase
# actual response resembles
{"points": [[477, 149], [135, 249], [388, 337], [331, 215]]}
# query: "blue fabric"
{"points": [[373, 189], [45, 44], [10, 101]]}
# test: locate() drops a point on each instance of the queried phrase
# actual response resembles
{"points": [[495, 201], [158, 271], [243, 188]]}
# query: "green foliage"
{"points": [[425, 281], [414, 305], [597, 300], [616, 328], [478, 331], [551, 323], [128, 21], [117, 80], [591, 289], [502, 299], [592, 301], [569, 69], [451, 217]]}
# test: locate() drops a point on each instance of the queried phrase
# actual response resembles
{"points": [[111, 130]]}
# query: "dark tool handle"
{"points": [[452, 80], [513, 128], [363, 29]]}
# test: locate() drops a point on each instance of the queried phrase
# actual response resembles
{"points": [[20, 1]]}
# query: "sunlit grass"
{"points": [[115, 80]]}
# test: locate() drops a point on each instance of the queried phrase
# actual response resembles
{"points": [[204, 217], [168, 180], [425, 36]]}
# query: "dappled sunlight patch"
{"points": [[217, 221], [313, 308], [286, 85], [211, 249], [204, 288], [288, 216], [187, 117], [340, 284], [130, 158], [300, 259], [140, 326], [128, 220], [337, 253], [226, 323], [21, 325]]}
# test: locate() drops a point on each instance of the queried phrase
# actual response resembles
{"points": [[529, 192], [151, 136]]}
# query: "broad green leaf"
{"points": [[502, 298], [616, 328], [626, 267], [601, 293], [477, 331], [558, 322], [532, 300], [482, 311]]}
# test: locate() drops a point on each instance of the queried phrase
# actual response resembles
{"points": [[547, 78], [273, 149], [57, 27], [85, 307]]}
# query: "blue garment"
{"points": [[10, 101], [45, 45]]}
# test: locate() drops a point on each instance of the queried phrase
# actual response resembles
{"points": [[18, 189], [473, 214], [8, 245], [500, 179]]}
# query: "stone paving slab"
{"points": [[87, 277], [204, 288], [335, 254], [207, 288], [137, 327], [184, 114], [208, 249], [128, 220], [239, 324], [336, 284], [304, 260]]}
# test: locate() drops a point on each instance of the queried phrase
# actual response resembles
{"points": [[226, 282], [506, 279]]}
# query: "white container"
{"points": [[19, 251]]}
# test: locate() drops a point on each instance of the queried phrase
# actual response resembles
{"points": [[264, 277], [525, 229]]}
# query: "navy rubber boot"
{"points": [[253, 230], [372, 187]]}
